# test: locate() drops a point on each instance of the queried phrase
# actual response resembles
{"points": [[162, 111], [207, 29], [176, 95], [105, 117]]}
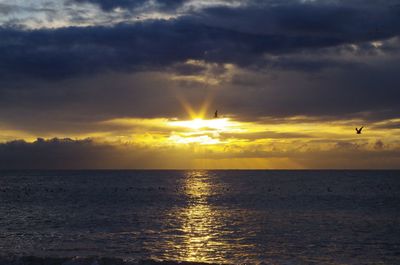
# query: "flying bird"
{"points": [[216, 114], [359, 130]]}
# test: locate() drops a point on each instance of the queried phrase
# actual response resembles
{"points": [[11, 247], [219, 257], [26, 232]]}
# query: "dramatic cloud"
{"points": [[73, 68], [210, 35], [87, 154], [54, 153], [84, 154], [109, 5]]}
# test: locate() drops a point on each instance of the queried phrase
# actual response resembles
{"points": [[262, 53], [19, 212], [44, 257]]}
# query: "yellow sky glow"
{"points": [[230, 143]]}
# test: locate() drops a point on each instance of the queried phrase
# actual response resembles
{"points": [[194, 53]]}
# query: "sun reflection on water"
{"points": [[202, 231], [200, 223]]}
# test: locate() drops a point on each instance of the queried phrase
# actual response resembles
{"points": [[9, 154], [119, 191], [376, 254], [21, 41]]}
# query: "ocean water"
{"points": [[232, 217]]}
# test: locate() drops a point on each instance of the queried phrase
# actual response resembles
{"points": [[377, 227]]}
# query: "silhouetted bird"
{"points": [[359, 130], [216, 114]]}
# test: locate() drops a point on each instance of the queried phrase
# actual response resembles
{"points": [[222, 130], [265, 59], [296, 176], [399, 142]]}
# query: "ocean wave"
{"points": [[32, 260]]}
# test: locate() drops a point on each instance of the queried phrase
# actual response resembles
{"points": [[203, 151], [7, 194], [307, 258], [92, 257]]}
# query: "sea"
{"points": [[198, 216]]}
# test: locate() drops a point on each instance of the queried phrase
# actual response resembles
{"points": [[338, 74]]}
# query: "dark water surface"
{"points": [[237, 217]]}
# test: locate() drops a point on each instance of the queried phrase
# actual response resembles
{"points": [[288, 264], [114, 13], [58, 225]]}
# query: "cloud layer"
{"points": [[66, 66], [87, 154]]}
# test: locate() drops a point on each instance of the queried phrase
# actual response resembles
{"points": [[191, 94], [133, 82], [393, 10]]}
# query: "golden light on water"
{"points": [[201, 236], [203, 225], [206, 233], [198, 226], [199, 219]]}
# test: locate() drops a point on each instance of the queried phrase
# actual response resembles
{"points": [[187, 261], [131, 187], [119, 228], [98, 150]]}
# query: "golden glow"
{"points": [[223, 124], [225, 143], [205, 132], [203, 232], [199, 221], [10, 135], [202, 139]]}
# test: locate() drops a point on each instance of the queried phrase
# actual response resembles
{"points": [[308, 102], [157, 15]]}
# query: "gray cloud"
{"points": [[293, 58], [87, 154], [109, 5], [55, 153], [210, 34], [84, 154]]}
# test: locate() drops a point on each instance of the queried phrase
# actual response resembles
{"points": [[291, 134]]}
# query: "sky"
{"points": [[134, 84]]}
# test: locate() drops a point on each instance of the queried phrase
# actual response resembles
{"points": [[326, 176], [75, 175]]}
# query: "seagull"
{"points": [[216, 114], [359, 130]]}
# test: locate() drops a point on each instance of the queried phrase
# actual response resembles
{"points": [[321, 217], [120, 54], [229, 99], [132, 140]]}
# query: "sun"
{"points": [[221, 124], [195, 124], [201, 131]]}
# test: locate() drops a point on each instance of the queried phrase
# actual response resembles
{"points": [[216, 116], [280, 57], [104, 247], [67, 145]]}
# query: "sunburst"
{"points": [[222, 124]]}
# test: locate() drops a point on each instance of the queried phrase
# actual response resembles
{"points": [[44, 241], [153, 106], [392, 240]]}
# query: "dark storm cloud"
{"points": [[301, 58], [211, 35], [55, 153], [84, 154], [109, 5], [88, 154], [55, 54], [324, 23], [369, 93]]}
